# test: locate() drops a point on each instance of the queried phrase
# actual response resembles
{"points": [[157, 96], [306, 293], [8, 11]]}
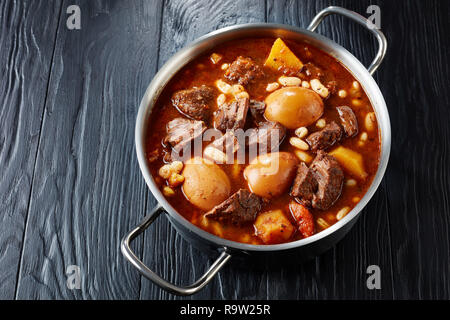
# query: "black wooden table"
{"points": [[70, 186]]}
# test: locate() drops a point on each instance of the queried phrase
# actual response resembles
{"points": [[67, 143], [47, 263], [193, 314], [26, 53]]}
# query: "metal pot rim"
{"points": [[210, 40]]}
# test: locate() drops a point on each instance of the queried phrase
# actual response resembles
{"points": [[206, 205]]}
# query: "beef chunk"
{"points": [[326, 137], [320, 185], [240, 208], [257, 109], [181, 132], [243, 70], [348, 120], [268, 136], [327, 78], [330, 178], [194, 103], [305, 184], [231, 115]]}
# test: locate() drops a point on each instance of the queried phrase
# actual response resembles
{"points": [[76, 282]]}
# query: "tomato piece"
{"points": [[303, 217]]}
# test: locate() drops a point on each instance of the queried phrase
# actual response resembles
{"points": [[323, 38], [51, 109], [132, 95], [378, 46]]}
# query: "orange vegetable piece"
{"points": [[273, 227], [352, 161], [303, 217], [281, 57]]}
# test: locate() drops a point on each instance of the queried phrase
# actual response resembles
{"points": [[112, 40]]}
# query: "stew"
{"points": [[263, 141]]}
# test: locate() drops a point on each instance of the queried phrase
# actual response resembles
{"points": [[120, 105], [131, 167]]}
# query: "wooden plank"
{"points": [[184, 21], [88, 191], [27, 37], [418, 180]]}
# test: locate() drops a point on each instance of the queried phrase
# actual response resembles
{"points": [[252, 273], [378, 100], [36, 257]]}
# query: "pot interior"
{"points": [[209, 41]]}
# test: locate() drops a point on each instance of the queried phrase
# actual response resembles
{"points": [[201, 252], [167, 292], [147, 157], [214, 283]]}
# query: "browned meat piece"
{"points": [[330, 178], [311, 70], [257, 109], [268, 136], [326, 137], [243, 70], [194, 103], [348, 121], [231, 115], [327, 78], [240, 208], [181, 132], [320, 185], [305, 185]]}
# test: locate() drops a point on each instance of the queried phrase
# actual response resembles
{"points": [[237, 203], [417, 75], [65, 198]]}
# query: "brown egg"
{"points": [[205, 184], [294, 107], [271, 174]]}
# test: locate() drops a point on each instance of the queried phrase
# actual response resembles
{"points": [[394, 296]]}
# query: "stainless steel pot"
{"points": [[308, 247]]}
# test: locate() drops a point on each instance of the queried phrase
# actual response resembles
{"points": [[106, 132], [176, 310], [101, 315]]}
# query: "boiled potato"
{"points": [[351, 160], [269, 175], [282, 57], [294, 107], [205, 184], [273, 227]]}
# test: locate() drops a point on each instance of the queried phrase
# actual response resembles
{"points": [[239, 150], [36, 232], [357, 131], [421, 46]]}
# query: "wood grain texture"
{"points": [[84, 191], [415, 82], [88, 191], [27, 36]]}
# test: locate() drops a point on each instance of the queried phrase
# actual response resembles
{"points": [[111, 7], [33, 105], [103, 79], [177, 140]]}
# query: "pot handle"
{"points": [[149, 274], [382, 43]]}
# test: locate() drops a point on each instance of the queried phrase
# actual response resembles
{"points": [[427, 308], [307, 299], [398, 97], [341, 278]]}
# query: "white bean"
{"points": [[303, 156], [319, 88], [177, 166], [289, 81], [236, 88], [342, 93], [321, 123], [214, 154], [223, 86], [301, 132], [242, 94], [321, 222], [221, 99], [369, 121], [363, 136], [342, 213], [357, 102], [299, 143], [168, 191], [168, 169], [176, 180], [272, 86]]}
